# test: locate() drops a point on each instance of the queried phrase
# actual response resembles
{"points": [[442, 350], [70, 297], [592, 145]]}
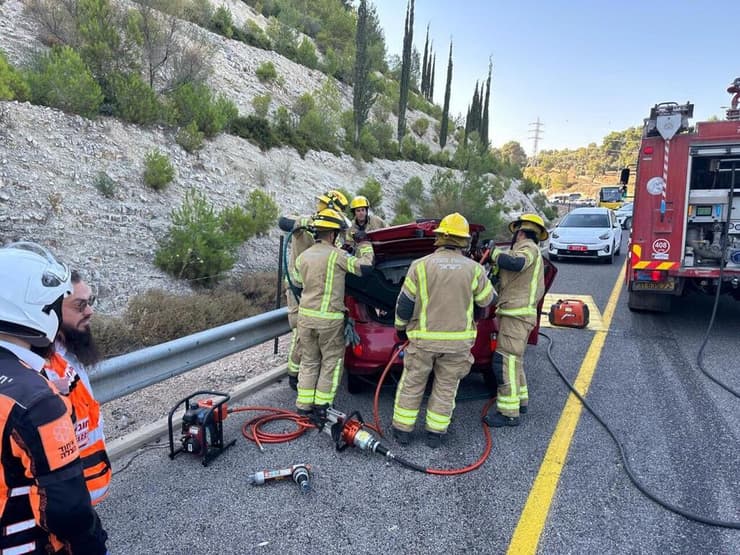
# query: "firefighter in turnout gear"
{"points": [[521, 286], [435, 312], [44, 505], [301, 239], [320, 271], [362, 220]]}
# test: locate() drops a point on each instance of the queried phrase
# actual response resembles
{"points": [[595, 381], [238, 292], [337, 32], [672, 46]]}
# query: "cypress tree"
{"points": [[425, 66], [403, 97], [430, 98], [472, 122], [363, 95], [484, 118], [446, 109]]}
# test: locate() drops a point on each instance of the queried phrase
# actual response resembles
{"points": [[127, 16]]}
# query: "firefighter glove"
{"points": [[495, 254], [402, 335], [359, 236]]}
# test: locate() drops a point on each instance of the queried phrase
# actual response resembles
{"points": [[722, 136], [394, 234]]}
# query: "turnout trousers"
{"points": [[448, 368], [294, 351], [508, 365], [322, 362]]}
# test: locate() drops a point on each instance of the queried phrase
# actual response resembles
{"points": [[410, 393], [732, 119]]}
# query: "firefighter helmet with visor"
{"points": [[329, 220], [34, 285], [532, 222], [454, 225], [359, 202]]}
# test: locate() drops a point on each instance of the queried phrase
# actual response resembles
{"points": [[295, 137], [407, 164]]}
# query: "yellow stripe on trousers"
{"points": [[532, 521]]}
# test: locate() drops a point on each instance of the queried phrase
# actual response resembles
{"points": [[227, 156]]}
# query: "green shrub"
{"points": [[416, 151], [199, 12], [404, 213], [413, 190], [158, 170], [189, 138], [105, 184], [61, 80], [374, 193], [254, 35], [306, 54], [195, 102], [196, 246], [134, 100], [262, 210], [303, 104], [12, 84], [420, 126], [255, 129], [261, 105], [266, 72], [222, 22]]}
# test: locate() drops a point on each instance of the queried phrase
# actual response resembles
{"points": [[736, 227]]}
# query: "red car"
{"points": [[371, 301]]}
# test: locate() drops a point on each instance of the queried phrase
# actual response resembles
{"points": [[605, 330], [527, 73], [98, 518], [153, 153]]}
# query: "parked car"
{"points": [[586, 233], [371, 301], [624, 215]]}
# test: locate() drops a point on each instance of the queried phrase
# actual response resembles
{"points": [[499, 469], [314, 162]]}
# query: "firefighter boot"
{"points": [[523, 409], [434, 440], [319, 416], [293, 382], [498, 420], [401, 436]]}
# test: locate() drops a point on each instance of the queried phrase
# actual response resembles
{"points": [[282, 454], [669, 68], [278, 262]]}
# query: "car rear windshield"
{"points": [[585, 220]]}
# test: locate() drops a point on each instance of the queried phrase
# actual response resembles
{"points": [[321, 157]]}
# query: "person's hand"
{"points": [[359, 236], [495, 254], [402, 336]]}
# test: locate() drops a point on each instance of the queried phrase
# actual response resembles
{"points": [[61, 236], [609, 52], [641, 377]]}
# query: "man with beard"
{"points": [[67, 368]]}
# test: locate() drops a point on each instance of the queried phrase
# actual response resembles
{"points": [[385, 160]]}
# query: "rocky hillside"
{"points": [[49, 161]]}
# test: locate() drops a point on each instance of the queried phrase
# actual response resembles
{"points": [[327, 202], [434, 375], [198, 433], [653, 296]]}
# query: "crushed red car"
{"points": [[371, 301]]}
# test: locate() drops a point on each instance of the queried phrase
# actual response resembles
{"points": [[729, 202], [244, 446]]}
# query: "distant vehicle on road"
{"points": [[624, 215], [586, 233]]}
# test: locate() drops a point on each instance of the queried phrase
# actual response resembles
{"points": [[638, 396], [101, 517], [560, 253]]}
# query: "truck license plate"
{"points": [[577, 248], [653, 286]]}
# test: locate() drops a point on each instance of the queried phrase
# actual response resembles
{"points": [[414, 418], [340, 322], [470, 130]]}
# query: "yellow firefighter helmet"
{"points": [[454, 225], [329, 219], [530, 221], [359, 202]]}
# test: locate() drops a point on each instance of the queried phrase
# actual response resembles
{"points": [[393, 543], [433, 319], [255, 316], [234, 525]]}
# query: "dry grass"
{"points": [[158, 316]]}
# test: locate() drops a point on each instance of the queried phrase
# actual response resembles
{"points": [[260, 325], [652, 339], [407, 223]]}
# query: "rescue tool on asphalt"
{"points": [[299, 473], [202, 431]]}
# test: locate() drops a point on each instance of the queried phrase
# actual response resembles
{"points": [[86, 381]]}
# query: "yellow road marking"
{"points": [[595, 321], [532, 520]]}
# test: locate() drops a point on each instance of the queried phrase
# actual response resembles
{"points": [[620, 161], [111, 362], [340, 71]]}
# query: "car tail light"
{"points": [[358, 350], [647, 150], [494, 342]]}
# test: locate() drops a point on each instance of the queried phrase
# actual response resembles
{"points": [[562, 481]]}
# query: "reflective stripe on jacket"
{"points": [[444, 286], [44, 505], [320, 270], [88, 426], [520, 292]]}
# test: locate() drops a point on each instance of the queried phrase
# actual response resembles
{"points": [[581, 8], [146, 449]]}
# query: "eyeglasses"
{"points": [[81, 304]]}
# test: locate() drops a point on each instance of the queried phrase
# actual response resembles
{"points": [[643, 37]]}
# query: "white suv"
{"points": [[586, 233]]}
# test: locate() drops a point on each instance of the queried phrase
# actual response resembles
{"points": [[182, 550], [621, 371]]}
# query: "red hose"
{"points": [[435, 471], [252, 428]]}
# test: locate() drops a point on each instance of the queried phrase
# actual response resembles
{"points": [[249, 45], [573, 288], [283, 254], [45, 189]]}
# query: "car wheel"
{"points": [[609, 259], [628, 223], [619, 246]]}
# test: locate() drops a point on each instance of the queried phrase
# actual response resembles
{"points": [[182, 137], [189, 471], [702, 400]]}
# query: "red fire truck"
{"points": [[686, 222]]}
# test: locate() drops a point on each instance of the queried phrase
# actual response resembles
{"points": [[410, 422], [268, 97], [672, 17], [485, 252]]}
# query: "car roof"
{"points": [[589, 210]]}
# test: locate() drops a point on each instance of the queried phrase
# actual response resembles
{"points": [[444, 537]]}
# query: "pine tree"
{"points": [[425, 66], [484, 118], [363, 95], [446, 109], [403, 97]]}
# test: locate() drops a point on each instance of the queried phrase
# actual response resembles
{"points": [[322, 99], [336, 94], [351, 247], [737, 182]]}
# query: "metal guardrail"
{"points": [[128, 373]]}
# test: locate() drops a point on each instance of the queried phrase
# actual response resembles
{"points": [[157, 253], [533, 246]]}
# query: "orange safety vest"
{"points": [[88, 426]]}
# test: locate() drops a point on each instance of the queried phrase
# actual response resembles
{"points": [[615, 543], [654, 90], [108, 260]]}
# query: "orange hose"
{"points": [[435, 471], [252, 428]]}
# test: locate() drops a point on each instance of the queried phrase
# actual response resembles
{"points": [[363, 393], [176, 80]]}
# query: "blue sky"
{"points": [[585, 68]]}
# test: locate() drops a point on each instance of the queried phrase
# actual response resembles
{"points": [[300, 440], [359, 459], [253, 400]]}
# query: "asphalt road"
{"points": [[681, 432]]}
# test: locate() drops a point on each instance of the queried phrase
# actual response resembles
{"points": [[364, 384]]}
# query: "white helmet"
{"points": [[33, 287]]}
